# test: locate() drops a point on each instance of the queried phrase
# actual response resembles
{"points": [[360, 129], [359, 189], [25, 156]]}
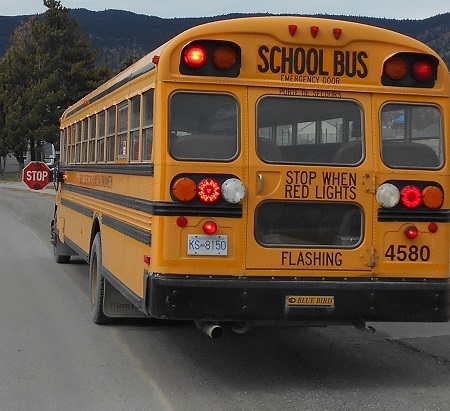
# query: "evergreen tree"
{"points": [[48, 67]]}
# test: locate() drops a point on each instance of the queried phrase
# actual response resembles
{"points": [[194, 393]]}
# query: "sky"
{"points": [[405, 9]]}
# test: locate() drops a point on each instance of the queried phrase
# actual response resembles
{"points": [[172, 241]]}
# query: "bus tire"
{"points": [[97, 283], [59, 258]]}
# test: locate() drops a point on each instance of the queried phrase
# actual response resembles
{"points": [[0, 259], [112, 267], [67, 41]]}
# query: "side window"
{"points": [[78, 143], [101, 138], [147, 126], [92, 134], [411, 136], [135, 122], [110, 133], [203, 126], [122, 128], [84, 140]]}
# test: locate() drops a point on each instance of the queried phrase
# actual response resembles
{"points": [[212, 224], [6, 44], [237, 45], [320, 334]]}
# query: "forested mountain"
{"points": [[122, 36]]}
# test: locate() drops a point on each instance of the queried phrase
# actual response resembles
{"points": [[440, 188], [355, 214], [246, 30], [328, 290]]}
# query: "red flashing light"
{"points": [[422, 70], [210, 227], [411, 232], [411, 197], [208, 190], [194, 56]]}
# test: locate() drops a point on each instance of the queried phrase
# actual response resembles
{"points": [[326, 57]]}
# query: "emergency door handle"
{"points": [[259, 183]]}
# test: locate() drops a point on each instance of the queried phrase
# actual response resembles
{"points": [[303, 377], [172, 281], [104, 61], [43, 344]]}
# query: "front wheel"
{"points": [[97, 283]]}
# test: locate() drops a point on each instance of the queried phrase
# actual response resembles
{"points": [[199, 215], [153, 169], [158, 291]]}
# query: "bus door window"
{"points": [[304, 131], [101, 137], [147, 126], [411, 136], [122, 128], [111, 133], [203, 126], [134, 128]]}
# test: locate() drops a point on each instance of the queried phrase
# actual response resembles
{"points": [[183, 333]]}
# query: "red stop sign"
{"points": [[36, 175]]}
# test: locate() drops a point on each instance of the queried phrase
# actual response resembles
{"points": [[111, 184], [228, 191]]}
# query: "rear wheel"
{"points": [[59, 258], [97, 283]]}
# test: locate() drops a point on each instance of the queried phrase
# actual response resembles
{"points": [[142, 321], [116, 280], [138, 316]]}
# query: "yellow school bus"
{"points": [[284, 170]]}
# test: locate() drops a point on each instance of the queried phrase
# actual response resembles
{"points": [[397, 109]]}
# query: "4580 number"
{"points": [[403, 252]]}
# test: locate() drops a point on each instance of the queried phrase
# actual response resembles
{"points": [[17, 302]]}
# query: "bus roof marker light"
{"points": [[233, 190], [337, 33], [292, 29], [388, 195], [314, 31], [411, 197], [195, 55]]}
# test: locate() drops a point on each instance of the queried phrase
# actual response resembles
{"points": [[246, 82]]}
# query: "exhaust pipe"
{"points": [[211, 329]]}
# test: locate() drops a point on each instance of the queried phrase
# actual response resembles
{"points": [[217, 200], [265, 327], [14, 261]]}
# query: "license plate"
{"points": [[199, 244], [309, 301]]}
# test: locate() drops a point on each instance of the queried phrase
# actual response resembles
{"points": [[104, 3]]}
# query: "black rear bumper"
{"points": [[266, 299]]}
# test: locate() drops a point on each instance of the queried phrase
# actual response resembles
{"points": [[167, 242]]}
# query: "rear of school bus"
{"points": [[302, 175]]}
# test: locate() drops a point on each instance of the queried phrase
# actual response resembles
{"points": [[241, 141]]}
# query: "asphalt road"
{"points": [[52, 357]]}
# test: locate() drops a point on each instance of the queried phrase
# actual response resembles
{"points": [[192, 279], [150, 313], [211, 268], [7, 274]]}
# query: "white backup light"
{"points": [[233, 191], [388, 195]]}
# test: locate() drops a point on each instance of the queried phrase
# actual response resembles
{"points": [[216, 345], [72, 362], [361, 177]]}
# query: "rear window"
{"points": [[203, 126], [411, 136], [304, 131], [308, 224]]}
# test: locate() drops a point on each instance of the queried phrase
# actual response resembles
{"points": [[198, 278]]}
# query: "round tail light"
{"points": [[208, 190], [411, 197]]}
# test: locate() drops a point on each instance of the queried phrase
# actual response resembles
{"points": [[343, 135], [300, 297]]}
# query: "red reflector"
{"points": [[422, 70], [147, 259], [194, 56], [182, 221], [210, 227], [411, 232], [208, 190], [411, 197], [432, 227]]}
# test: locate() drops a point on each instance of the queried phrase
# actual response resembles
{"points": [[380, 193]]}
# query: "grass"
{"points": [[11, 177]]}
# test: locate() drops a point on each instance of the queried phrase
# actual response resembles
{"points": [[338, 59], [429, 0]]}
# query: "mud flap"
{"points": [[115, 305]]}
